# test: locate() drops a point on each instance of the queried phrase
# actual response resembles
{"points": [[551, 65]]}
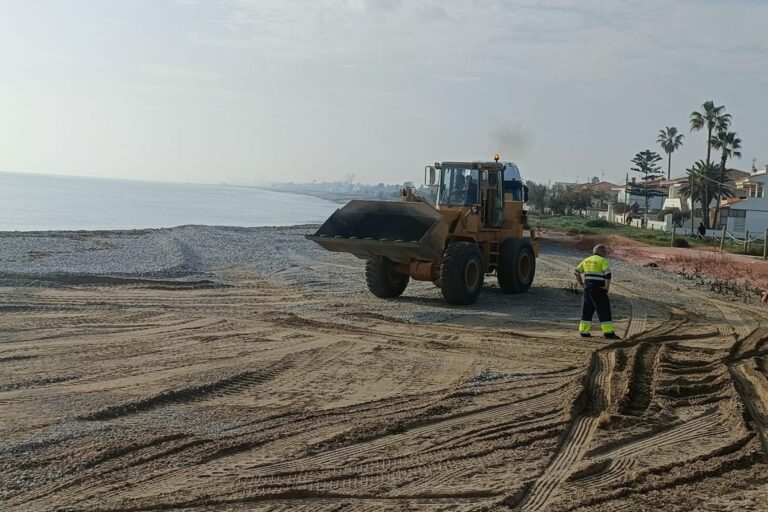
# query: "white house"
{"points": [[751, 213], [674, 201], [624, 194]]}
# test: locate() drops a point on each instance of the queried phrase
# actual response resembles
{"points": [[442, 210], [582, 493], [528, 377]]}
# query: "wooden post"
{"points": [[765, 245], [746, 242], [722, 240], [674, 228]]}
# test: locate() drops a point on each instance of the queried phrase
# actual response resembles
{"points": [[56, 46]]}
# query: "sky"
{"points": [[257, 91]]}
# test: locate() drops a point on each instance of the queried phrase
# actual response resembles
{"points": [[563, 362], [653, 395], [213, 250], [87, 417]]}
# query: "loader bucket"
{"points": [[400, 230]]}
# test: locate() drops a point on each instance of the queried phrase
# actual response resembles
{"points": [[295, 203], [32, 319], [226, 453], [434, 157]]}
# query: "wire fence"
{"points": [[748, 241]]}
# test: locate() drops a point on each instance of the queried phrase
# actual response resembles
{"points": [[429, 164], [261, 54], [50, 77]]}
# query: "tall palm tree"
{"points": [[713, 119], [702, 178], [670, 140], [729, 145]]}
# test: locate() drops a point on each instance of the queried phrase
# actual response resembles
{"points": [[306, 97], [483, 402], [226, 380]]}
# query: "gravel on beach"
{"points": [[169, 252], [198, 252]]}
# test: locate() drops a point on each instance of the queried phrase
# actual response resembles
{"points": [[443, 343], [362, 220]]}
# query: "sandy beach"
{"points": [[212, 368]]}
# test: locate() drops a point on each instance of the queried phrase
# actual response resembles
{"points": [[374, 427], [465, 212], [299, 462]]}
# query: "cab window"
{"points": [[458, 187]]}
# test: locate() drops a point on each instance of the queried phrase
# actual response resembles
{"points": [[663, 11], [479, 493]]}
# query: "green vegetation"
{"points": [[597, 227], [598, 223], [670, 141], [707, 184], [710, 179], [581, 226], [712, 119], [730, 145], [646, 164]]}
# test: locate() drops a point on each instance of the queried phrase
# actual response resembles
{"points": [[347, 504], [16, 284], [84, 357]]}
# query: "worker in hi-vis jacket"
{"points": [[594, 275]]}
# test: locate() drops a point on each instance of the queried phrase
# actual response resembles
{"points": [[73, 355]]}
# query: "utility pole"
{"points": [[690, 196], [645, 193], [626, 199]]}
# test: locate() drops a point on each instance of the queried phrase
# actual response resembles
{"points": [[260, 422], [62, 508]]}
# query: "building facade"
{"points": [[750, 214], [632, 194]]}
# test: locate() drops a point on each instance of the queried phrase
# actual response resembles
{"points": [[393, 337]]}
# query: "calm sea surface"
{"points": [[30, 202]]}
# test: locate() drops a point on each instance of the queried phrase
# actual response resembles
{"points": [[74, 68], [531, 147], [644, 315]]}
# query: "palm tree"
{"points": [[713, 119], [730, 145], [702, 178], [670, 140]]}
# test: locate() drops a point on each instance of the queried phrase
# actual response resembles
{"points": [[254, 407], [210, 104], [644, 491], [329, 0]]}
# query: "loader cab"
{"points": [[458, 186], [479, 185]]}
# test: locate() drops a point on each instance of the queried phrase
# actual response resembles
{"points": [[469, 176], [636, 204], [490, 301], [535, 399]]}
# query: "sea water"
{"points": [[37, 202]]}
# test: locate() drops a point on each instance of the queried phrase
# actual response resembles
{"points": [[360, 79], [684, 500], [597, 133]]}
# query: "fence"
{"points": [[746, 242]]}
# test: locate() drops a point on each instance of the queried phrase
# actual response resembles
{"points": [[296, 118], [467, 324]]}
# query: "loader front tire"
{"points": [[382, 279], [517, 265], [461, 273]]}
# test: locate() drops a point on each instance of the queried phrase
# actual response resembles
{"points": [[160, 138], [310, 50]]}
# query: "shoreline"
{"points": [[340, 199], [106, 232], [61, 204], [196, 251]]}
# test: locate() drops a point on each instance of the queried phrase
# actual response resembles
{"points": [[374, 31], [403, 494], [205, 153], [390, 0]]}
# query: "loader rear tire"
{"points": [[517, 265], [382, 279], [461, 273]]}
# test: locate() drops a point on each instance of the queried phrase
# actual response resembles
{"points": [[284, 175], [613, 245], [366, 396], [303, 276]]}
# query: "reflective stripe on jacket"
{"points": [[595, 270]]}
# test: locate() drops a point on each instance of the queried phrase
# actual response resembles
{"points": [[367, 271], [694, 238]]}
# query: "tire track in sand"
{"points": [[638, 323], [231, 384], [346, 468], [590, 408], [708, 424], [640, 389], [753, 388], [749, 382], [611, 471]]}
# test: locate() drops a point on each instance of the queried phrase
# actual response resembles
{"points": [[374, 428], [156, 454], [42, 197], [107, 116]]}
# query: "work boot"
{"points": [[611, 336], [585, 335]]}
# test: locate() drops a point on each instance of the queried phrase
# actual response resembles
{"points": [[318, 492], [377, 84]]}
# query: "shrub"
{"points": [[598, 223], [678, 217], [681, 242]]}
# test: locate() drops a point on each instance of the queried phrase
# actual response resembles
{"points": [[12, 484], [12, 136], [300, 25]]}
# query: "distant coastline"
{"points": [[35, 202], [333, 197], [339, 193], [343, 192]]}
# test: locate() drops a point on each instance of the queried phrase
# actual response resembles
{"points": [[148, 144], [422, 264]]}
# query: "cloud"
{"points": [[557, 39], [564, 87]]}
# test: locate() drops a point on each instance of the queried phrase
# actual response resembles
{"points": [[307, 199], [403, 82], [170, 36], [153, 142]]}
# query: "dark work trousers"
{"points": [[595, 299]]}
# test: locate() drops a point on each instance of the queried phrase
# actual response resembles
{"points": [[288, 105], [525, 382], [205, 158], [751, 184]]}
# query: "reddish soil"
{"points": [[749, 271]]}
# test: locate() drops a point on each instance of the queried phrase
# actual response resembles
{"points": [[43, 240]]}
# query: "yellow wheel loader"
{"points": [[474, 229]]}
